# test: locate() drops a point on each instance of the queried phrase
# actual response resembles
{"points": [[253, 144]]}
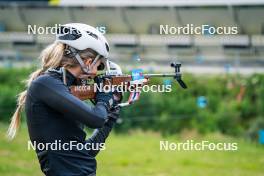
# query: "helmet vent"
{"points": [[107, 47], [92, 35], [68, 33]]}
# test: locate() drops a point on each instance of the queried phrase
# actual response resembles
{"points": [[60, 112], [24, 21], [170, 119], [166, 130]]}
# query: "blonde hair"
{"points": [[51, 57]]}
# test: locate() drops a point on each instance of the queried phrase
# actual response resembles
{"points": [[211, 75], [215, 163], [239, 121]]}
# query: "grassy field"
{"points": [[138, 154]]}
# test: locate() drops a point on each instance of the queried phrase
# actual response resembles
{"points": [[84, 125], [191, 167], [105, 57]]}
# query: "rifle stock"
{"points": [[85, 92]]}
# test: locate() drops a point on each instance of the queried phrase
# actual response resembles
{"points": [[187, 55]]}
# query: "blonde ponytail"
{"points": [[51, 57]]}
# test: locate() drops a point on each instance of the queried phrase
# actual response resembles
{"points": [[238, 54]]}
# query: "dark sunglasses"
{"points": [[101, 66]]}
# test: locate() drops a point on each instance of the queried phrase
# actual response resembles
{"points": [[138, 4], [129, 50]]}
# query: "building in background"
{"points": [[133, 30]]}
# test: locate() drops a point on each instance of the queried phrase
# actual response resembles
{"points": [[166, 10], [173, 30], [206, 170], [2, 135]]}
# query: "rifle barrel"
{"points": [[160, 75]]}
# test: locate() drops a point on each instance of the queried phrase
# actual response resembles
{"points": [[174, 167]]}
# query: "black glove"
{"points": [[110, 98], [114, 113], [118, 97], [105, 97]]}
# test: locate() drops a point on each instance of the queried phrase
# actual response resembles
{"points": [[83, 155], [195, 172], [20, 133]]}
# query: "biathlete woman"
{"points": [[55, 115]]}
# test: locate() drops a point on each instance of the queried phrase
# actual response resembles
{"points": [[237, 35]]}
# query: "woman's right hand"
{"points": [[104, 97], [111, 99]]}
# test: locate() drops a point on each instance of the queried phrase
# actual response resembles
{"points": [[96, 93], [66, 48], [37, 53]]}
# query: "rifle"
{"points": [[114, 76]]}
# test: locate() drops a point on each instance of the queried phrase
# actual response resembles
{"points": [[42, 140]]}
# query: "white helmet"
{"points": [[80, 37]]}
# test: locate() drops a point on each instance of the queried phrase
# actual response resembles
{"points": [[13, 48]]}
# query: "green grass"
{"points": [[138, 154]]}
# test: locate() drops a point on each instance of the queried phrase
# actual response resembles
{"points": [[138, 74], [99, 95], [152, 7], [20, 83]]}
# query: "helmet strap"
{"points": [[85, 68], [64, 76], [79, 59], [95, 60]]}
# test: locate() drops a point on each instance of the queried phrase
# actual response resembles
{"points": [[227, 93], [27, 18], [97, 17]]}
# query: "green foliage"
{"points": [[234, 104], [255, 126], [12, 83]]}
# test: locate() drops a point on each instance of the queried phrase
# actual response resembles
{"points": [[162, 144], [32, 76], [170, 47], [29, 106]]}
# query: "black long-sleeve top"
{"points": [[54, 114]]}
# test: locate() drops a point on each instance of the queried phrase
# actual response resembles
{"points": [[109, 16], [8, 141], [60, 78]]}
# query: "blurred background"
{"points": [[224, 73]]}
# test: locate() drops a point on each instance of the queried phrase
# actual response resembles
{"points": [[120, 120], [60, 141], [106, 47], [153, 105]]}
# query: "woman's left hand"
{"points": [[114, 113]]}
